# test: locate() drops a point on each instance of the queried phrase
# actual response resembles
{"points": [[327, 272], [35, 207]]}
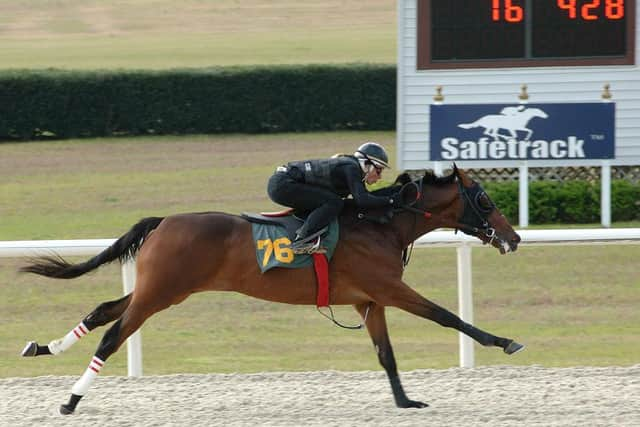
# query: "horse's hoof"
{"points": [[513, 348], [413, 404], [66, 410], [70, 406], [30, 350]]}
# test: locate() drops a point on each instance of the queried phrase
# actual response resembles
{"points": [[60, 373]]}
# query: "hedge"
{"points": [[569, 202], [56, 104]]}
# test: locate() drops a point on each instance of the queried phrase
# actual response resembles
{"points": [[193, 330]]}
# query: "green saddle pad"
{"points": [[273, 246]]}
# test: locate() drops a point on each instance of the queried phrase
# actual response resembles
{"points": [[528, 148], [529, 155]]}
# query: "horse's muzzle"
{"points": [[512, 244], [506, 245]]}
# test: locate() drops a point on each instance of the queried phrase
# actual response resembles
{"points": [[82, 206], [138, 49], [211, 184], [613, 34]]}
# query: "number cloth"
{"points": [[273, 246]]}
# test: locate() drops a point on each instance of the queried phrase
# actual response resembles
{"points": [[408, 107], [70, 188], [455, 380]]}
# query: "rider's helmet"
{"points": [[372, 153]]}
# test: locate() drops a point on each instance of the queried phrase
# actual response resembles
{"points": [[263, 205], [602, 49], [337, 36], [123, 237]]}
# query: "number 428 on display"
{"points": [[511, 11]]}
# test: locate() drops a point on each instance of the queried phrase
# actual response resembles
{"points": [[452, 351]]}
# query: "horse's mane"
{"points": [[429, 178]]}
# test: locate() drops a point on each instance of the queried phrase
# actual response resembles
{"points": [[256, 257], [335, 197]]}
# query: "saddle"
{"points": [[288, 218]]}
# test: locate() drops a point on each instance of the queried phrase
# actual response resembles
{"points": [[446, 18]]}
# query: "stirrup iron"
{"points": [[309, 244], [304, 247]]}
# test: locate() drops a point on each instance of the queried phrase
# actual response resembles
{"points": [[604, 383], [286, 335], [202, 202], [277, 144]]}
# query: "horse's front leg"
{"points": [[377, 327], [402, 296]]}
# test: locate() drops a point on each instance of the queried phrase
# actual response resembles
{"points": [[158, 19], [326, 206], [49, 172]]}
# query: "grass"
{"points": [[99, 188], [160, 34], [570, 305]]}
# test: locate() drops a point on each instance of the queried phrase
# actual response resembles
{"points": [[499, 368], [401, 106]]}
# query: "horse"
{"points": [[182, 254], [512, 119]]}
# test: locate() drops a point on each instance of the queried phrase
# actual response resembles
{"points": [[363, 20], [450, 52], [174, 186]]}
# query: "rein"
{"points": [[332, 318], [410, 207], [408, 251]]}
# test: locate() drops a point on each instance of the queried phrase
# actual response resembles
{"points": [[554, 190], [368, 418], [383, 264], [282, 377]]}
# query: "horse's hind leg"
{"points": [[103, 314], [132, 319], [376, 323]]}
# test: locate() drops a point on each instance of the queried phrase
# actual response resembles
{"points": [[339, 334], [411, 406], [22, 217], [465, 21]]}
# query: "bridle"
{"points": [[474, 218]]}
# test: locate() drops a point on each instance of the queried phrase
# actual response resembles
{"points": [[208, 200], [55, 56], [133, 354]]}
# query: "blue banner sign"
{"points": [[558, 131]]}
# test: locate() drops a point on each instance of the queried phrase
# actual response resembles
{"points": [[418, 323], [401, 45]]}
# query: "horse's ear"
{"points": [[459, 173], [403, 179]]}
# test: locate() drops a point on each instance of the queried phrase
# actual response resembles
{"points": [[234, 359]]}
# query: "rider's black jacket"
{"points": [[342, 175]]}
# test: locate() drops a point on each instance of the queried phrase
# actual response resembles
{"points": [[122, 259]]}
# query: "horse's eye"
{"points": [[484, 202]]}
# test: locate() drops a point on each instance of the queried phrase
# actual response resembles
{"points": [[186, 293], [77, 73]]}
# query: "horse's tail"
{"points": [[124, 248], [468, 125]]}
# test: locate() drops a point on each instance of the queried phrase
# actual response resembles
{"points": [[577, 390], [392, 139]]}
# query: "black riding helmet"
{"points": [[373, 153]]}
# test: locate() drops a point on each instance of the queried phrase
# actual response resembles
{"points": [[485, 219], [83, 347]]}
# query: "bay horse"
{"points": [[187, 253]]}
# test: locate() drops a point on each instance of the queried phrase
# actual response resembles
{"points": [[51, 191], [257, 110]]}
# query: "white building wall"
{"points": [[544, 84]]}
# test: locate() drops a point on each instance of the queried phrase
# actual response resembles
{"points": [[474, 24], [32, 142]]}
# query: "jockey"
{"points": [[320, 185]]}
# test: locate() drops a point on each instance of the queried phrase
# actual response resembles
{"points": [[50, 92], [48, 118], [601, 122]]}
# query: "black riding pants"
{"points": [[324, 204]]}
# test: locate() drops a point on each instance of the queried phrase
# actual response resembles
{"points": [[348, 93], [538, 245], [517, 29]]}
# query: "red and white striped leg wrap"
{"points": [[62, 344], [81, 386]]}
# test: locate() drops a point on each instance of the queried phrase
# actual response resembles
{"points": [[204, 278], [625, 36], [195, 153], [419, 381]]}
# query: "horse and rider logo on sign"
{"points": [[558, 131]]}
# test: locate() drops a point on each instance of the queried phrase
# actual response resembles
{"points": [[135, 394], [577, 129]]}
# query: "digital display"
{"points": [[572, 28], [460, 31]]}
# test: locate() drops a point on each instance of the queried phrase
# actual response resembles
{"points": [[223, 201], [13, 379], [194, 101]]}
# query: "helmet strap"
{"points": [[363, 164], [367, 171]]}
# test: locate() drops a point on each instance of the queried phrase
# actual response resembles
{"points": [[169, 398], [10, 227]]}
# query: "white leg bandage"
{"points": [[62, 344], [81, 386]]}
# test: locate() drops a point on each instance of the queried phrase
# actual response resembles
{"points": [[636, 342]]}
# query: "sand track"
{"points": [[497, 395]]}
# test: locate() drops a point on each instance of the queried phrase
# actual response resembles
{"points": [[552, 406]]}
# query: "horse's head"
{"points": [[459, 202], [481, 218]]}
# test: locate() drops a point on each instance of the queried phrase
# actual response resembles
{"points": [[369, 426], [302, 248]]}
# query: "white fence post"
{"points": [[134, 342], [465, 303], [605, 193], [523, 195]]}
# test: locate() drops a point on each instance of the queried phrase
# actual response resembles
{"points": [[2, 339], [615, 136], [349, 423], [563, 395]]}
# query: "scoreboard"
{"points": [[504, 33]]}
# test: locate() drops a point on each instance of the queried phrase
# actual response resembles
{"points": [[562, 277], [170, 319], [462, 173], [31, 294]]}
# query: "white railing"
{"points": [[463, 243]]}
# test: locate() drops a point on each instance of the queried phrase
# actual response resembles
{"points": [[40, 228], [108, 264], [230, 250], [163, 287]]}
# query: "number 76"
{"points": [[279, 248]]}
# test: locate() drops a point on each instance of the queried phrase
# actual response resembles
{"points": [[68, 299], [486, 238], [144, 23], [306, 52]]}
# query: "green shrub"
{"points": [[505, 196], [544, 203], [569, 202], [66, 104], [579, 202], [625, 200]]}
